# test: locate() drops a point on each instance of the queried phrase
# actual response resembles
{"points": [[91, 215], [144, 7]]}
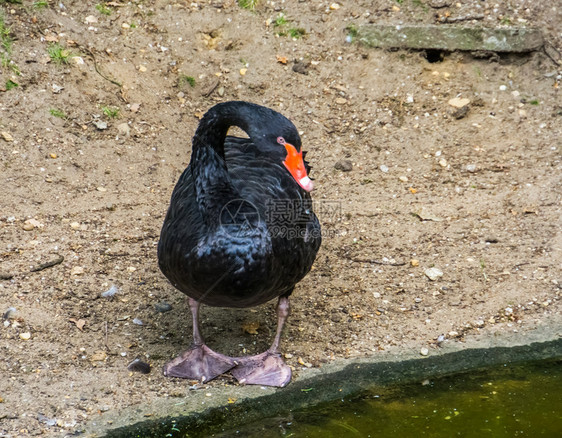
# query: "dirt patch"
{"points": [[91, 150]]}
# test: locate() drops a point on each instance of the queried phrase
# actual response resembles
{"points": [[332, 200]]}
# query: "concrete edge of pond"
{"points": [[208, 407]]}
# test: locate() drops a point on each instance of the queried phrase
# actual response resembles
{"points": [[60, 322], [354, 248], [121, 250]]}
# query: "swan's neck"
{"points": [[213, 186]]}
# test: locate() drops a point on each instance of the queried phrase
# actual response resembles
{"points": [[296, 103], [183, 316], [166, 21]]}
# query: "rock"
{"points": [[56, 88], [162, 307], [124, 129], [341, 101], [335, 317], [301, 67], [7, 136], [137, 321], [458, 102], [139, 366], [383, 168], [403, 178], [414, 262], [433, 273], [98, 356], [427, 215], [443, 162], [9, 313], [135, 107], [344, 166], [100, 124], [31, 224], [77, 270], [461, 112], [451, 38], [78, 60], [424, 351], [25, 336], [471, 168], [91, 19], [110, 292]]}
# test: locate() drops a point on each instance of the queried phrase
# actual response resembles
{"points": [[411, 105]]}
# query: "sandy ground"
{"points": [[90, 152]]}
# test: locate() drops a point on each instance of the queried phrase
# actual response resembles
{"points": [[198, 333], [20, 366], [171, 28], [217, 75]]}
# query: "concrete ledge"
{"points": [[451, 38], [197, 412]]}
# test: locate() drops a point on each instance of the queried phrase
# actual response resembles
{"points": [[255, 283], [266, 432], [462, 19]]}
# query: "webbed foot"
{"points": [[263, 369], [199, 363]]}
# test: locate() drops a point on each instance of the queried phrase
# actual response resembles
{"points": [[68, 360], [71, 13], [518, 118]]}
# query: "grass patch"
{"points": [[534, 102], [248, 4], [6, 44], [11, 84], [6, 40], [57, 113], [280, 21], [296, 32], [41, 4], [186, 80], [103, 9], [58, 54], [111, 112]]}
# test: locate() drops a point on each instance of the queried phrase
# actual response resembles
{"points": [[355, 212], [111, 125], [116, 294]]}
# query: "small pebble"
{"points": [[56, 88], [471, 168], [77, 270], [459, 102], [137, 321], [433, 273], [163, 307], [424, 351], [9, 313], [139, 366], [344, 165], [443, 162], [503, 87], [25, 336], [110, 292], [403, 178], [124, 129], [383, 168], [100, 124], [6, 136]]}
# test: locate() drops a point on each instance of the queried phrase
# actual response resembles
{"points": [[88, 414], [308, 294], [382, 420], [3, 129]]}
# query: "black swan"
{"points": [[239, 232]]}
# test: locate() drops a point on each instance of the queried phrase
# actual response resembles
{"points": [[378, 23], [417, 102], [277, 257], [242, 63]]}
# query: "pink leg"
{"points": [[267, 368], [199, 362]]}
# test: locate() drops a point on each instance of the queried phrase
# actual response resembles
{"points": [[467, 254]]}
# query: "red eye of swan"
{"points": [[281, 140]]}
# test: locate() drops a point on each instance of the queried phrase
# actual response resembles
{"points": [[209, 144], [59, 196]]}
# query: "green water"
{"points": [[500, 402]]}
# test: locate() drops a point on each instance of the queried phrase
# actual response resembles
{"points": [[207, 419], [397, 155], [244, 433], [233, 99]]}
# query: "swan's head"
{"points": [[294, 163]]}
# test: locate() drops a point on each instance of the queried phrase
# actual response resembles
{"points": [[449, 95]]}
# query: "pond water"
{"points": [[506, 401]]}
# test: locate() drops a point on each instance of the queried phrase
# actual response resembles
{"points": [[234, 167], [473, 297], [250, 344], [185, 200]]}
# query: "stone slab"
{"points": [[451, 37]]}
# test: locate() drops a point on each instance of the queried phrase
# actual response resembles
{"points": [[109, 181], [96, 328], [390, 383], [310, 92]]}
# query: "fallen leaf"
{"points": [[282, 59], [80, 323], [251, 327], [231, 400]]}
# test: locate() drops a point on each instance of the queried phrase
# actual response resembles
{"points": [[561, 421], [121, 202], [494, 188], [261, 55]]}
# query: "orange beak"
{"points": [[295, 165]]}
